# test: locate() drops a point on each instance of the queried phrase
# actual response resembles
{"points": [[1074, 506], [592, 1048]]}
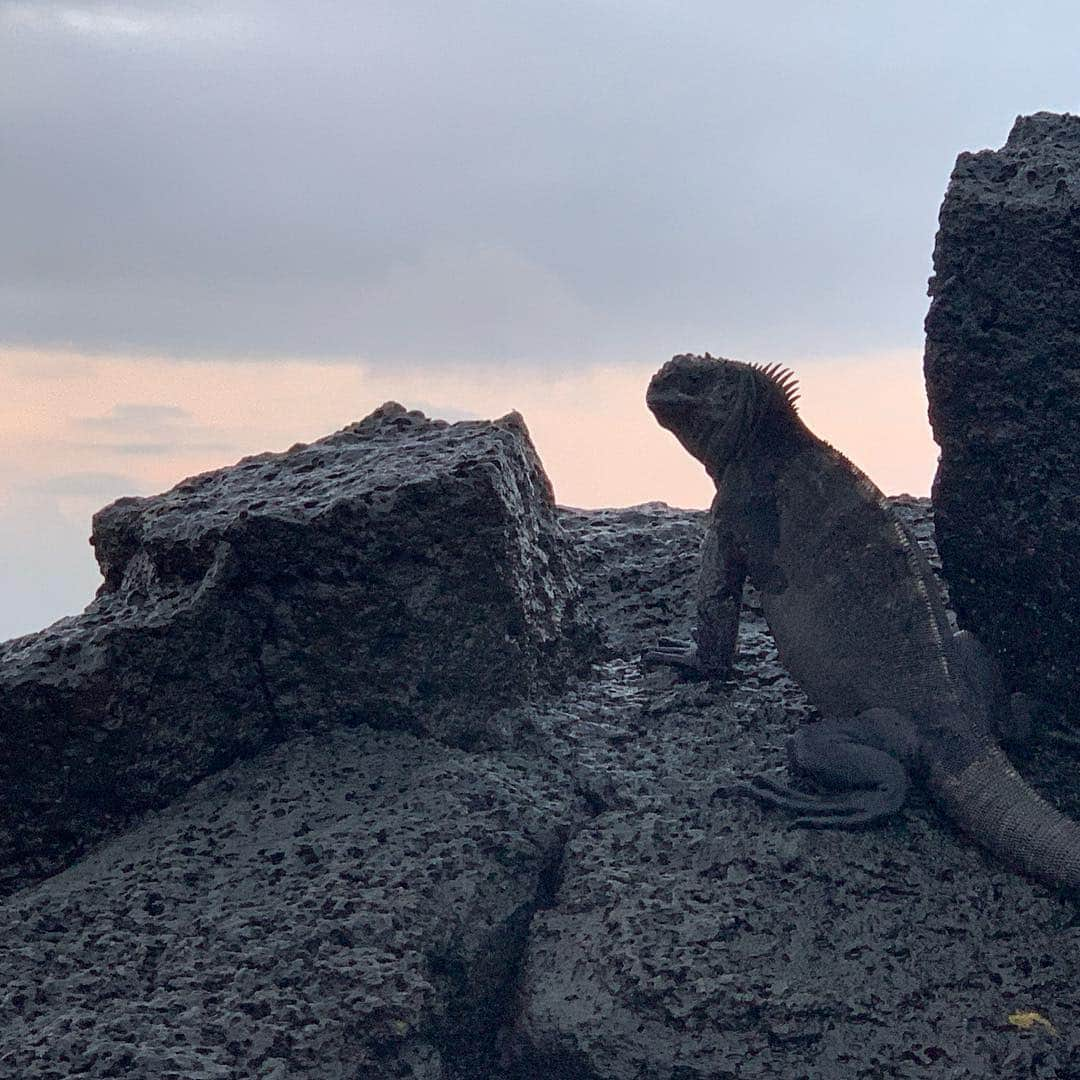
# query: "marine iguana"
{"points": [[858, 619]]}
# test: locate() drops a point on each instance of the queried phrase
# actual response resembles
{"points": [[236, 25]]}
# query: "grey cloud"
{"points": [[103, 485], [146, 430], [535, 181], [134, 417], [170, 22]]}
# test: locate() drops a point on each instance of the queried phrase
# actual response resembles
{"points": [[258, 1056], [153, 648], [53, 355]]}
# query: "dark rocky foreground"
{"points": [[571, 893], [1003, 379]]}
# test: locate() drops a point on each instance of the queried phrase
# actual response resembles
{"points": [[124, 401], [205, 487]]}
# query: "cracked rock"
{"points": [[399, 573], [351, 904]]}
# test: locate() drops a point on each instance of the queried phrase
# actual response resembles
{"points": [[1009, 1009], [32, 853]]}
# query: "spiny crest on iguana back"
{"points": [[784, 379]]}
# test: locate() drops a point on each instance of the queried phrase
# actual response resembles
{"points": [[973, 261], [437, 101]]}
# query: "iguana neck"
{"points": [[767, 440]]}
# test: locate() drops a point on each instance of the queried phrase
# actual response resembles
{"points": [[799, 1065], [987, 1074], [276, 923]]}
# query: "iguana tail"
{"points": [[998, 808]]}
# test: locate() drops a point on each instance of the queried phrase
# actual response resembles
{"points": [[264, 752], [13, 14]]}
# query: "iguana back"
{"points": [[851, 597]]}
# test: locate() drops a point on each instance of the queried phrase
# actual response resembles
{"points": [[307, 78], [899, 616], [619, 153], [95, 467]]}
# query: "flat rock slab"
{"points": [[705, 941], [403, 573], [349, 905], [1003, 379]]}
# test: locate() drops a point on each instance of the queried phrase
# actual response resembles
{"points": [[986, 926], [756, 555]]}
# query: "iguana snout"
{"points": [[684, 382], [695, 398]]}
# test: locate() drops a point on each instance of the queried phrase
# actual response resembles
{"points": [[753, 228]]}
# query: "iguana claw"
{"points": [[684, 655], [675, 652], [861, 807]]}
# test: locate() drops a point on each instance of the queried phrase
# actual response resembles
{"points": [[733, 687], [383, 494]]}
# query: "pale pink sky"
{"points": [[77, 432], [157, 421]]}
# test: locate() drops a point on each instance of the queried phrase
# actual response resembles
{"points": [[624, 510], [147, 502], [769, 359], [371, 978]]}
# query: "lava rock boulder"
{"points": [[351, 904], [398, 573], [1003, 379]]}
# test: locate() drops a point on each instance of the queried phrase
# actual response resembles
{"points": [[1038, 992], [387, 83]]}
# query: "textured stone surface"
{"points": [[695, 935], [399, 573], [348, 905], [583, 899], [1003, 379]]}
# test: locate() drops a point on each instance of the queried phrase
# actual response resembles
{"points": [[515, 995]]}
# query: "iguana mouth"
{"points": [[664, 401]]}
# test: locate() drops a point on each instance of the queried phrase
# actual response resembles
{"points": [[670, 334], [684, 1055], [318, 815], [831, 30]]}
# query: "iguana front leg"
{"points": [[719, 597]]}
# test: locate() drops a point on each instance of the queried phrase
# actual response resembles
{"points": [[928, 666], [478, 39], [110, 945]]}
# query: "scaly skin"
{"points": [[858, 620]]}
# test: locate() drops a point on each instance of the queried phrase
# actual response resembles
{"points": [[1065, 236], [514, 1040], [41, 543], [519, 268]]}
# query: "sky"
{"points": [[226, 227]]}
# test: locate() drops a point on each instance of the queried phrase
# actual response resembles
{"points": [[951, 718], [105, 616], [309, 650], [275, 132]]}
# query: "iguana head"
{"points": [[714, 407]]}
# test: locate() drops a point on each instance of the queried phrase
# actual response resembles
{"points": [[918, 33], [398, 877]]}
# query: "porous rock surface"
{"points": [[584, 898], [1003, 379], [350, 904], [693, 934], [393, 574]]}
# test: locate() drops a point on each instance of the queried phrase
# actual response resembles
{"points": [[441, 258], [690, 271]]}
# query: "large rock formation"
{"points": [[396, 574], [1003, 379], [587, 901]]}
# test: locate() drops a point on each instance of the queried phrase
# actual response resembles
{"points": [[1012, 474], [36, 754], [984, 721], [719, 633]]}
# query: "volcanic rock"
{"points": [[349, 904], [400, 573], [694, 935], [591, 899], [1003, 378]]}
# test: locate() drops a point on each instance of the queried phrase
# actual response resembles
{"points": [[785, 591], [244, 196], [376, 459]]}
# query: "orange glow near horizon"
{"points": [[66, 415]]}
